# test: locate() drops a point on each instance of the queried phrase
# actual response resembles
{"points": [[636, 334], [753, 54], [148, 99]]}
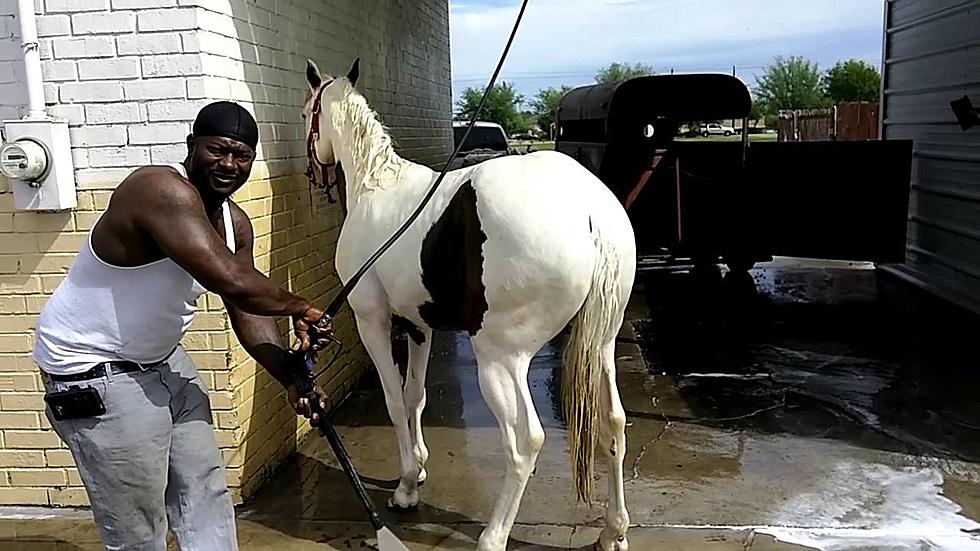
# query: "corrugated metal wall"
{"points": [[932, 56]]}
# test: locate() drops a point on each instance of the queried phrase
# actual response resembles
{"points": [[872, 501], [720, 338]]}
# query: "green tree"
{"points": [[758, 112], [501, 107], [852, 80], [545, 106], [792, 83], [618, 72]]}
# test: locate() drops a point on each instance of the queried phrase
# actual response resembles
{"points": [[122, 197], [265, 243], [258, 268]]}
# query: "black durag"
{"points": [[227, 119]]}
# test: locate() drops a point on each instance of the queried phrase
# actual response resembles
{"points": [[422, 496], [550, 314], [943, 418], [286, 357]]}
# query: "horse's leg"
{"points": [[374, 327], [612, 441], [418, 361], [503, 383]]}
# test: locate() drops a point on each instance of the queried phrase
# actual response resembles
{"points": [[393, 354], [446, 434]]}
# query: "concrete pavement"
{"points": [[809, 403]]}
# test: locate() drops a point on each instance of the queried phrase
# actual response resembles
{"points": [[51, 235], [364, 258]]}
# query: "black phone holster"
{"points": [[75, 403]]}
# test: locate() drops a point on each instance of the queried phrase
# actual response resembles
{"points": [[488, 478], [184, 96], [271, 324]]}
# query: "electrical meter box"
{"points": [[36, 157]]}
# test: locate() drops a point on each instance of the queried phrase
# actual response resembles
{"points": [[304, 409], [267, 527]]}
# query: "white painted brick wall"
{"points": [[53, 25], [174, 110], [170, 19], [158, 134], [103, 23], [106, 64], [148, 44], [91, 92], [54, 71], [119, 156], [74, 114], [115, 68], [171, 153], [81, 48], [74, 6], [157, 88], [142, 4], [93, 136], [130, 75], [207, 87], [13, 93], [115, 113], [172, 65]]}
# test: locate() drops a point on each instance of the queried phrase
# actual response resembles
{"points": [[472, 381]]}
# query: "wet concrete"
{"points": [[808, 403]]}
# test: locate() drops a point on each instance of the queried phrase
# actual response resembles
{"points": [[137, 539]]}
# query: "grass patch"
{"points": [[522, 145]]}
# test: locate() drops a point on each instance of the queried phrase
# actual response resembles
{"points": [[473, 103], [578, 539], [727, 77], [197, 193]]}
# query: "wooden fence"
{"points": [[846, 121]]}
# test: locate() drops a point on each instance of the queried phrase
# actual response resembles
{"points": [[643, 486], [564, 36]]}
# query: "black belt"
{"points": [[99, 371]]}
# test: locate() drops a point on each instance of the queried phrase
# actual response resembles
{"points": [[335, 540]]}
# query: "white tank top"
{"points": [[102, 312]]}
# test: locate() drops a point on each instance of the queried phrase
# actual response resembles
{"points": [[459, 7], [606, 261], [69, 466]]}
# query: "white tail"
{"points": [[591, 328]]}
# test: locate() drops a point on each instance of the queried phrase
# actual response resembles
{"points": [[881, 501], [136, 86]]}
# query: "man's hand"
{"points": [[301, 405], [301, 326]]}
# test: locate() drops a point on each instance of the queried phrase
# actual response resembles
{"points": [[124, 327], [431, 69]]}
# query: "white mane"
{"points": [[376, 165]]}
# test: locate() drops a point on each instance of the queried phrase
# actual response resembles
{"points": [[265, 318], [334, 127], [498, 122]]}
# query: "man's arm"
{"points": [[172, 213], [259, 335], [261, 339]]}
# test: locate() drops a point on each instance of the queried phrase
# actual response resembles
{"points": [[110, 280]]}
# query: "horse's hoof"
{"points": [[618, 544], [396, 508]]}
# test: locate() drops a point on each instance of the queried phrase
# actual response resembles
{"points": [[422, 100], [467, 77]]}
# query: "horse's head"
{"points": [[325, 93]]}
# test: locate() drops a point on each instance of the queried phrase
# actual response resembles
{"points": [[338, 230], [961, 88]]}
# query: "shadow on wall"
{"points": [[295, 230], [295, 227]]}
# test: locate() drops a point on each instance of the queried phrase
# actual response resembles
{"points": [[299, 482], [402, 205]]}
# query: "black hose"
{"points": [[341, 297]]}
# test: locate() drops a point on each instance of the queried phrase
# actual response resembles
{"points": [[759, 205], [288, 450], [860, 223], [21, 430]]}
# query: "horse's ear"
{"points": [[354, 72], [313, 74]]}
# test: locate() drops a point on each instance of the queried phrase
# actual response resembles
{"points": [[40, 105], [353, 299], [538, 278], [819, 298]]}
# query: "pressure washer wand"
{"points": [[305, 387], [300, 365]]}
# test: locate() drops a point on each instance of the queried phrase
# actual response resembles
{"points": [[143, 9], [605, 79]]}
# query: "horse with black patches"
{"points": [[511, 251]]}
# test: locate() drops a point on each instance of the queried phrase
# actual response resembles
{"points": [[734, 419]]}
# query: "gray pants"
{"points": [[151, 458]]}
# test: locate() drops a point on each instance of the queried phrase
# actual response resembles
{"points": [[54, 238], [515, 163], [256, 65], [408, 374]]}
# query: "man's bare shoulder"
{"points": [[151, 185]]}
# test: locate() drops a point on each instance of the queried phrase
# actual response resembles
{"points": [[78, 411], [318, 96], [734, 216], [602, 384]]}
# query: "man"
{"points": [[121, 391]]}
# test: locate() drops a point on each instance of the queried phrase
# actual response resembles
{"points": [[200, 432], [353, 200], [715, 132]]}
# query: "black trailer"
{"points": [[737, 201]]}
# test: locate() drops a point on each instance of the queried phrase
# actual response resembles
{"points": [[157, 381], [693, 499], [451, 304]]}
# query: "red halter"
{"points": [[316, 171]]}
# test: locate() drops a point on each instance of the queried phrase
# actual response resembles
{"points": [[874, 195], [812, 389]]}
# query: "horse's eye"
{"points": [[303, 115]]}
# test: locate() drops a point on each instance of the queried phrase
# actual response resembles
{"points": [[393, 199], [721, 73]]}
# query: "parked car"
{"points": [[715, 129], [484, 135], [526, 136], [485, 141]]}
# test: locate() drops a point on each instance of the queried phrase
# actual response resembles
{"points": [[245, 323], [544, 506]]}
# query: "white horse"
{"points": [[510, 250]]}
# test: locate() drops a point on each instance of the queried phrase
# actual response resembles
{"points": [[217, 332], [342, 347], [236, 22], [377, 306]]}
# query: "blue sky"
{"points": [[566, 41]]}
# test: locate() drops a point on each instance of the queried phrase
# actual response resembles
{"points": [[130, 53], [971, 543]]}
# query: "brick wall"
{"points": [[13, 93], [129, 76]]}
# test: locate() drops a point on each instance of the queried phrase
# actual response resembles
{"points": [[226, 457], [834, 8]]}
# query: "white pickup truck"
{"points": [[715, 129], [485, 141]]}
